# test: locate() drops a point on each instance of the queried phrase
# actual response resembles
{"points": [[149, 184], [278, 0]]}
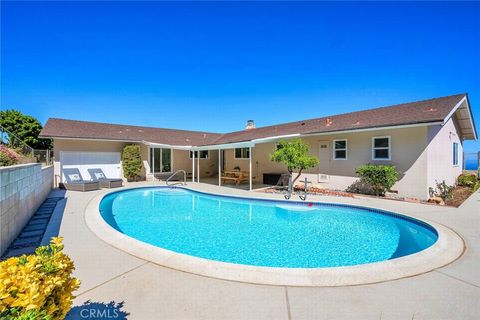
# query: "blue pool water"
{"points": [[263, 233]]}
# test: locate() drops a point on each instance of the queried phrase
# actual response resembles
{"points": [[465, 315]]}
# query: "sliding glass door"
{"points": [[160, 160]]}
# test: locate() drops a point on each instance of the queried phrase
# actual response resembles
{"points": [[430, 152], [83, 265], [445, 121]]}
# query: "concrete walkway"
{"points": [[119, 284], [31, 235]]}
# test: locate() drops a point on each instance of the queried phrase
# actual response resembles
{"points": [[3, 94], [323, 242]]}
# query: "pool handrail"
{"points": [[174, 174]]}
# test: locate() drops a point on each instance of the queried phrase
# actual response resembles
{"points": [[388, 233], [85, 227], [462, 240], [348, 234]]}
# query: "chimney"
{"points": [[250, 125]]}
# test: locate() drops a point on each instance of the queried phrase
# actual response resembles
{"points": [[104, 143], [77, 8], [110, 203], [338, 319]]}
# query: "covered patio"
{"points": [[222, 176]]}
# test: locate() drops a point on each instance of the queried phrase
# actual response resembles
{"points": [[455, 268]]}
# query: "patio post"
{"points": [[219, 168], [250, 166], [193, 166], [198, 166], [153, 162]]}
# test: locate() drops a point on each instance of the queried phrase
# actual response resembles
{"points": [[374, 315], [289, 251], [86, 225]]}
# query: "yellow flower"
{"points": [[40, 282], [56, 241]]}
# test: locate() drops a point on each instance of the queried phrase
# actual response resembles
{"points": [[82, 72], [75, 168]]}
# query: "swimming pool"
{"points": [[264, 233]]}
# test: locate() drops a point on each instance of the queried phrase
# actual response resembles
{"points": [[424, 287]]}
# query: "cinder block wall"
{"points": [[23, 189]]}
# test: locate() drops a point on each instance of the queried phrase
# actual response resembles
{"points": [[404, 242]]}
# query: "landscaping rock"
{"points": [[437, 200]]}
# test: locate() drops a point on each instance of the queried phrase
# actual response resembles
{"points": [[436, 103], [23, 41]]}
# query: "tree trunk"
{"points": [[296, 178]]}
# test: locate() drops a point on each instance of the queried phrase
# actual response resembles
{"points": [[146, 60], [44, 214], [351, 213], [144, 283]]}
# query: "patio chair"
{"points": [[97, 174], [75, 181]]}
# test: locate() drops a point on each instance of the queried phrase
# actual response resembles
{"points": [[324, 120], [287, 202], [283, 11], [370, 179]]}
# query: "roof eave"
{"points": [[470, 116], [87, 138]]}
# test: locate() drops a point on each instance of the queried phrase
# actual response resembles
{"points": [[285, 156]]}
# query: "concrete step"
{"points": [[19, 252], [31, 235], [35, 227], [38, 220], [22, 242], [28, 234], [41, 215], [43, 223]]}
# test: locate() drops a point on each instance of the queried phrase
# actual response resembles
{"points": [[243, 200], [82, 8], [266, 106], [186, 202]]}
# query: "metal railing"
{"points": [[44, 157], [26, 153], [174, 174], [289, 192], [13, 142], [305, 191]]}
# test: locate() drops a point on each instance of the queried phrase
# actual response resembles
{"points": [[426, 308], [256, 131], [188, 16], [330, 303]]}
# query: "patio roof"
{"points": [[432, 111]]}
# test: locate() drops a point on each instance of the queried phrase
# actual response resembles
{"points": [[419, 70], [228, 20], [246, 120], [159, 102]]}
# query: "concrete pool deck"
{"points": [[148, 291], [448, 247]]}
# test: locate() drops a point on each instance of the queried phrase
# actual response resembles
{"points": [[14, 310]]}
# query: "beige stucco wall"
{"points": [[421, 155], [208, 167], [408, 154], [81, 145], [440, 154], [181, 161], [180, 158]]}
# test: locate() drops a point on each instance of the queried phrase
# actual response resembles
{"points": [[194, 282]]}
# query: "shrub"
{"points": [[444, 191], [8, 157], [360, 186], [468, 180], [379, 177], [37, 286], [131, 161]]}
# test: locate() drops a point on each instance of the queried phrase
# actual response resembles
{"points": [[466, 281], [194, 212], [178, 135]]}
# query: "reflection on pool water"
{"points": [[263, 233]]}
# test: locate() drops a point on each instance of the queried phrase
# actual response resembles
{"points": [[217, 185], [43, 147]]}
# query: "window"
{"points": [[455, 154], [166, 160], [160, 160], [203, 154], [340, 149], [242, 153], [381, 148]]}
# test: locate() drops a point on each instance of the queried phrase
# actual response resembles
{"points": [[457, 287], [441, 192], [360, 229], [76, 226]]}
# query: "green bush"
{"points": [[468, 180], [131, 161], [379, 177]]}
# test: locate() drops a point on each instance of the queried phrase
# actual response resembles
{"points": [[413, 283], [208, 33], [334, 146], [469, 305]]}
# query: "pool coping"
{"points": [[448, 247]]}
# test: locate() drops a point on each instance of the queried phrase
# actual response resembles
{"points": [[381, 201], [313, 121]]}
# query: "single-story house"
{"points": [[423, 139]]}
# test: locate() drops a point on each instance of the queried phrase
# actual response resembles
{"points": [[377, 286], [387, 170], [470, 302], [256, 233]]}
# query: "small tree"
{"points": [[131, 161], [294, 154], [379, 177]]}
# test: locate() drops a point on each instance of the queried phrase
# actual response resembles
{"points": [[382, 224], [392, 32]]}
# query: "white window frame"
{"points": [[382, 148], [198, 152], [235, 154], [342, 149], [161, 169], [455, 157]]}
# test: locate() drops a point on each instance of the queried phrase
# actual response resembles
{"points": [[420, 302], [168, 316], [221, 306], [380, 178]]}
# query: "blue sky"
{"points": [[212, 66]]}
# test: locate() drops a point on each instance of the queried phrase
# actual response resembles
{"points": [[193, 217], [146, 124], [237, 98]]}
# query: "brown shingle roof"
{"points": [[61, 128], [425, 111]]}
